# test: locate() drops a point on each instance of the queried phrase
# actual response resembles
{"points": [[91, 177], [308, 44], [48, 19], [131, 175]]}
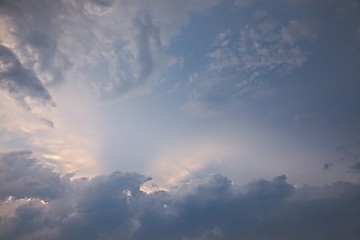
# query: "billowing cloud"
{"points": [[23, 176], [45, 205]]}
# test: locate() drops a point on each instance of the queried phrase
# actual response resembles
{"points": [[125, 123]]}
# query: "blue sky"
{"points": [[178, 91]]}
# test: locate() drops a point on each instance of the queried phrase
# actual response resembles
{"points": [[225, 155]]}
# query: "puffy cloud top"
{"points": [[38, 203]]}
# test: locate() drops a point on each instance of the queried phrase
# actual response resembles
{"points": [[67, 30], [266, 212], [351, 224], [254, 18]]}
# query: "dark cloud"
{"points": [[113, 207], [355, 167], [22, 175], [36, 29], [47, 122], [19, 82], [349, 151], [326, 166]]}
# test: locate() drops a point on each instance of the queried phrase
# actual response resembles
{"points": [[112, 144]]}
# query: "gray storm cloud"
{"points": [[37, 203]]}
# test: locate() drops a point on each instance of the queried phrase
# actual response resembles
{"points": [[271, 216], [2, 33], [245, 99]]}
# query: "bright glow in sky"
{"points": [[179, 90]]}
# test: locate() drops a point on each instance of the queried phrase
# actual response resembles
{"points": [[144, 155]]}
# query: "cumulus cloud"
{"points": [[23, 176], [46, 205]]}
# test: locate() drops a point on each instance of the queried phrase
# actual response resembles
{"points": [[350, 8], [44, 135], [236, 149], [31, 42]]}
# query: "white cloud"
{"points": [[178, 164], [244, 64], [70, 53], [57, 41], [275, 48]]}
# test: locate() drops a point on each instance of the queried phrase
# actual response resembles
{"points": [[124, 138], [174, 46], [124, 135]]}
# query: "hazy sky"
{"points": [[178, 91]]}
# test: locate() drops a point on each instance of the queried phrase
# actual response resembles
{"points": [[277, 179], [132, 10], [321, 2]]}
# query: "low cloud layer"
{"points": [[38, 203]]}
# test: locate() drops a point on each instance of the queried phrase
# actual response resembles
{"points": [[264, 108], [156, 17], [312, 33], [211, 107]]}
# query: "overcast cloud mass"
{"points": [[181, 119]]}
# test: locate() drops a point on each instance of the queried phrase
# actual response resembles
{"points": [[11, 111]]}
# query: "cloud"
{"points": [[266, 46], [76, 54], [347, 153], [23, 176], [113, 206], [174, 166], [247, 60], [326, 166], [21, 83], [355, 167], [99, 7], [66, 41], [34, 29]]}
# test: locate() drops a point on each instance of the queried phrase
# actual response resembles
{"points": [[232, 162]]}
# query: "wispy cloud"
{"points": [[246, 60], [128, 40], [70, 53], [21, 83]]}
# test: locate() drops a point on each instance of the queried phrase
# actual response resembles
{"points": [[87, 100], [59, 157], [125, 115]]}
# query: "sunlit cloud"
{"points": [[178, 165]]}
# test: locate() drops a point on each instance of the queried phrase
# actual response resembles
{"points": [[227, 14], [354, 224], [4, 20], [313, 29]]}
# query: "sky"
{"points": [[191, 119]]}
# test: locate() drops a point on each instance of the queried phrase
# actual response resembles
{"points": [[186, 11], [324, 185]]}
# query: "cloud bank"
{"points": [[38, 203]]}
